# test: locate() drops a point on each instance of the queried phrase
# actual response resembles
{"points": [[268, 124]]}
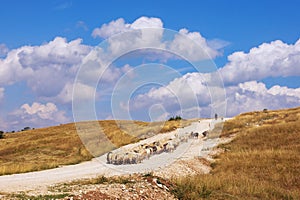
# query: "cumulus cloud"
{"points": [[243, 97], [254, 95], [11, 70], [43, 111], [37, 115], [119, 26], [78, 91], [194, 49], [46, 68], [275, 59], [147, 32], [284, 91], [56, 54], [49, 71], [114, 27], [181, 96]]}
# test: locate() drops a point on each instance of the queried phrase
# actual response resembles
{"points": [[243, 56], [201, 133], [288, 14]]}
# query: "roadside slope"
{"points": [[262, 162], [51, 147], [98, 166]]}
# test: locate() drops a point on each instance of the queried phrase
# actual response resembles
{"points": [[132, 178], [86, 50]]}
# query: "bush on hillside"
{"points": [[175, 118]]}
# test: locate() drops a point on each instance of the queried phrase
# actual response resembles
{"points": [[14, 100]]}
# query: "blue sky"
{"points": [[37, 86]]}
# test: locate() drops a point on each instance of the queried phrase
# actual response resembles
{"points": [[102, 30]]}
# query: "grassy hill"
{"points": [[262, 162], [50, 147]]}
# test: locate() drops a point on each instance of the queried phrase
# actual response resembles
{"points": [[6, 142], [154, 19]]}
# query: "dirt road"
{"points": [[98, 166]]}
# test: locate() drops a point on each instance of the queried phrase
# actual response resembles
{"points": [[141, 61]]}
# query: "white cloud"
{"points": [[112, 74], [119, 26], [142, 34], [244, 97], [147, 32], [114, 27], [57, 54], [79, 91], [11, 70], [275, 59], [284, 91], [49, 71], [180, 96], [254, 95], [192, 45], [46, 68], [43, 111], [36, 115], [187, 89], [253, 86], [147, 22]]}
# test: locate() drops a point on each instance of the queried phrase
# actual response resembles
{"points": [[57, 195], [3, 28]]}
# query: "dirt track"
{"points": [[40, 180]]}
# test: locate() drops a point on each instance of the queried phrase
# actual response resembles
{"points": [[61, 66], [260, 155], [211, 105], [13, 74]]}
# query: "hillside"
{"points": [[262, 162], [51, 147]]}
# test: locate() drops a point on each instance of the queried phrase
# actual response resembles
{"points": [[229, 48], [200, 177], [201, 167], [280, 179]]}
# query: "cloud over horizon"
{"points": [[47, 73], [36, 115], [241, 76], [272, 59]]}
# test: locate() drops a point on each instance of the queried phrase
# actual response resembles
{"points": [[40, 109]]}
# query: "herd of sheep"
{"points": [[138, 153]]}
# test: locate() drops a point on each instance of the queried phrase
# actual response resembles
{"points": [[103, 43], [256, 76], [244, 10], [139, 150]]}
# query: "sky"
{"points": [[67, 60]]}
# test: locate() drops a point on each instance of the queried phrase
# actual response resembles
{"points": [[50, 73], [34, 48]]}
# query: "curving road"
{"points": [[96, 167]]}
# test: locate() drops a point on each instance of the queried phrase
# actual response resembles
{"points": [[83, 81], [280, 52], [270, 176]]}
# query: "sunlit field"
{"points": [[51, 147], [262, 162]]}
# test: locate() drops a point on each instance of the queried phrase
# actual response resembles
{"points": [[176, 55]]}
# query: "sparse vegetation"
{"points": [[177, 117], [135, 186], [26, 128], [44, 197], [51, 147], [102, 180], [261, 163]]}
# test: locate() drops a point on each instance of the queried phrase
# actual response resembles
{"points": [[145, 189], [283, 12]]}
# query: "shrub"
{"points": [[26, 128], [175, 118], [1, 134]]}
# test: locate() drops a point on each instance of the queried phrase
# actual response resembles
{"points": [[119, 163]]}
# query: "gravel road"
{"points": [[98, 166]]}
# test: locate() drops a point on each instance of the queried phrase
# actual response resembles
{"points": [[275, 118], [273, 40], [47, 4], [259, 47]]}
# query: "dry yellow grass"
{"points": [[262, 162], [51, 147]]}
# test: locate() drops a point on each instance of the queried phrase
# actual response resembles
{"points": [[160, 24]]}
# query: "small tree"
{"points": [[178, 117], [26, 128], [171, 119], [175, 118], [1, 134]]}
